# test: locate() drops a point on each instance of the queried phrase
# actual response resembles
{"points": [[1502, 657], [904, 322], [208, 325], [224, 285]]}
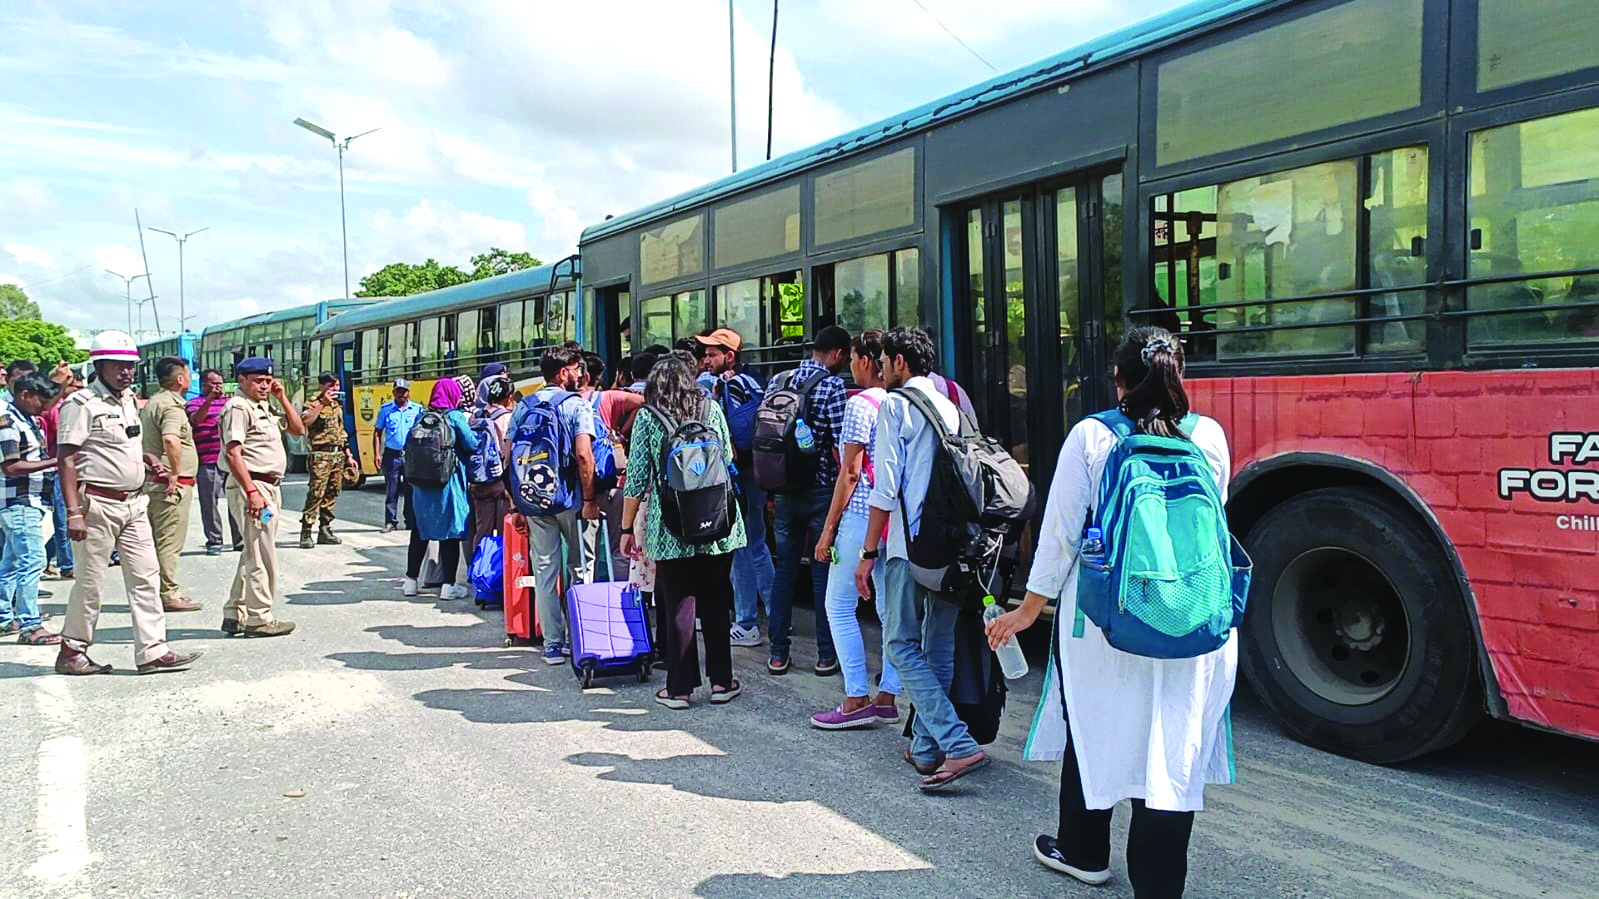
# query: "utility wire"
{"points": [[957, 37], [32, 284]]}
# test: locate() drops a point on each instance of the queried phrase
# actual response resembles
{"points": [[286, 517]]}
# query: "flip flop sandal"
{"points": [[943, 777], [923, 770], [723, 696], [39, 637], [672, 702]]}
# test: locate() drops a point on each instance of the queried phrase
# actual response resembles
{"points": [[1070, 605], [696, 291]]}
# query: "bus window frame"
{"points": [[1465, 24], [812, 250], [1435, 13], [1431, 135]]}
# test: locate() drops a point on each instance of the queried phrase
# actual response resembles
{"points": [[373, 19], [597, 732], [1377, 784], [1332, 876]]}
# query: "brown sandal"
{"points": [[946, 776], [39, 637]]}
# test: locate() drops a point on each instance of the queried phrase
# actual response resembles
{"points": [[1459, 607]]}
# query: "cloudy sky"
{"points": [[511, 123]]}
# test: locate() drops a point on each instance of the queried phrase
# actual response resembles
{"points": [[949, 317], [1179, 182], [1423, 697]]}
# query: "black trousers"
{"points": [[1157, 843], [417, 552], [702, 587]]}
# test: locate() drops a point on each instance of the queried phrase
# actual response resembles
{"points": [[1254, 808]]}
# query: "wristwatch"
{"points": [[626, 531], [869, 554]]}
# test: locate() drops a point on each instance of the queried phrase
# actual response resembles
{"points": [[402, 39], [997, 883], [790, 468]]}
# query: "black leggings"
{"points": [[702, 587], [417, 551], [1157, 843]]}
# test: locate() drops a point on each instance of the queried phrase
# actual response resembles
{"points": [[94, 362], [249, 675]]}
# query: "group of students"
{"points": [[1123, 725]]}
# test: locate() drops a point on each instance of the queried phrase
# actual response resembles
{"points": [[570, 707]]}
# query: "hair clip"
{"points": [[1156, 345]]}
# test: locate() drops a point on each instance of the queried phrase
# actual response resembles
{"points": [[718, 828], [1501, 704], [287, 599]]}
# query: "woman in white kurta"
{"points": [[1149, 730]]}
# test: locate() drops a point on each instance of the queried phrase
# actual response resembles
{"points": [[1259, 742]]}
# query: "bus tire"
{"points": [[1356, 637]]}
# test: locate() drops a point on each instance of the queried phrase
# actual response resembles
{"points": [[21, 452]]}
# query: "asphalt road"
{"points": [[394, 747]]}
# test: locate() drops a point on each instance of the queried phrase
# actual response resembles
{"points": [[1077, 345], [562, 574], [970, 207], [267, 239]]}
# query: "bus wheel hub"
{"points": [[1360, 626]]}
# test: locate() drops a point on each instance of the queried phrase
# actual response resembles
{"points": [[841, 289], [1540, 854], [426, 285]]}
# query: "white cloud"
{"points": [[28, 255], [440, 231]]}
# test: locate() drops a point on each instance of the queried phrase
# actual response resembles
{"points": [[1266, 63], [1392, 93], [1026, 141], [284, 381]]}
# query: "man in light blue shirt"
{"points": [[393, 425], [562, 369], [942, 748]]}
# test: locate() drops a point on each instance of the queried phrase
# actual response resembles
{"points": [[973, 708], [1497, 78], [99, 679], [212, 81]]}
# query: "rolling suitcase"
{"points": [[521, 622], [609, 629]]}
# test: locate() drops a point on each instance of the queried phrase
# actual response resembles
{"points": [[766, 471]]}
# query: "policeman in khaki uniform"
{"points": [[252, 446], [103, 473], [168, 436], [330, 452]]}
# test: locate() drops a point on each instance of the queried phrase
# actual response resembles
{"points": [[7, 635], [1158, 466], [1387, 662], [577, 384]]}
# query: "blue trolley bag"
{"points": [[608, 628]]}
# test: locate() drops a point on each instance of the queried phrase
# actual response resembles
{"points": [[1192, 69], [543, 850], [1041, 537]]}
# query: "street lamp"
{"points": [[341, 145], [180, 238], [127, 286]]}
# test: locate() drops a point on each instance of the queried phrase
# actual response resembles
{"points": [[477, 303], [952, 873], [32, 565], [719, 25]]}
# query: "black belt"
{"points": [[263, 477]]}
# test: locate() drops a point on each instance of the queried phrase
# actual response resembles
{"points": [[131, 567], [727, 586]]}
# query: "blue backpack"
{"points": [[607, 451], [486, 465], [1161, 575], [543, 471], [741, 399]]}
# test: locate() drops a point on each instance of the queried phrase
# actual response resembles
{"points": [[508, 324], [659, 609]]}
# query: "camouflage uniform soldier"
{"points": [[330, 451]]}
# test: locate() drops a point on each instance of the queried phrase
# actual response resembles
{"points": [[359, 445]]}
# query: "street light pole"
{"points": [[341, 146], [127, 288], [181, 239]]}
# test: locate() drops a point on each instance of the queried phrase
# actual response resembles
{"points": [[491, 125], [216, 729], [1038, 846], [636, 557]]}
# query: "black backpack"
{"points": [[983, 499], [430, 451], [695, 480], [780, 465]]}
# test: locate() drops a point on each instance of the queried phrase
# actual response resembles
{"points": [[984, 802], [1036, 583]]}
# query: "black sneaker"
{"points": [[1048, 855]]}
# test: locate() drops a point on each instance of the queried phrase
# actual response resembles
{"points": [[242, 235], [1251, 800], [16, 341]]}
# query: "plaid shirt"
{"points": [[824, 413], [21, 440]]}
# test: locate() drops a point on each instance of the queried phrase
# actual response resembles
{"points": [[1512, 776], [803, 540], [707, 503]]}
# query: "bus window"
{"points": [[860, 293], [689, 313], [761, 227], [738, 306], [511, 342], [447, 341], [371, 353], [397, 355], [571, 316], [790, 309], [908, 288], [466, 342], [1532, 208], [673, 250], [534, 334], [488, 333], [866, 198], [657, 325], [1518, 41], [1396, 208], [427, 346]]}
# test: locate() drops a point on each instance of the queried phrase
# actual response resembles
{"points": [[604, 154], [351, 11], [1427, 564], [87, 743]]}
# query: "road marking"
{"points": [[62, 834]]}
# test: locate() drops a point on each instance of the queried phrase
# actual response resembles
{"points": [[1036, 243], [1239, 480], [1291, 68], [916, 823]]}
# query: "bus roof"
{"points": [[1117, 46], [472, 293], [168, 337], [309, 310]]}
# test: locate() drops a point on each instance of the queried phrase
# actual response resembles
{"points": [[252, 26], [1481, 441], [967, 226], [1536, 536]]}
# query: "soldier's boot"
{"points": [[306, 540], [326, 537]]}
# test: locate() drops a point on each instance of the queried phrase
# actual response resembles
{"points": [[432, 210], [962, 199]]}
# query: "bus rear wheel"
{"points": [[1356, 637]]}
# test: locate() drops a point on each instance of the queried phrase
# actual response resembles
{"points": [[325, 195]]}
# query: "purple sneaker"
{"points": [[888, 714], [838, 719]]}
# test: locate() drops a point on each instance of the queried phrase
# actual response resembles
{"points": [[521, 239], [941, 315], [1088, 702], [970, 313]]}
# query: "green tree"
{"points": [[500, 262], [15, 305], [45, 343], [402, 279]]}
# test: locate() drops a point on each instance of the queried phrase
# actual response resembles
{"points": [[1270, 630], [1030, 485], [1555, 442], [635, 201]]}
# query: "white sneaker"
{"points": [[409, 586], [463, 592], [741, 637]]}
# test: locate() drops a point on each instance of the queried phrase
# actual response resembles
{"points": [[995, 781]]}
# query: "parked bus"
{"points": [[1375, 224], [185, 346], [284, 336], [457, 330]]}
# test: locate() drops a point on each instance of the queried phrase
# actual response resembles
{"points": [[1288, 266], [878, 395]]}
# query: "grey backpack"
{"points": [[695, 480]]}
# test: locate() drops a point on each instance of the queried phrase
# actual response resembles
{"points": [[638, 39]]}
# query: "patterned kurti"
{"points": [[643, 466]]}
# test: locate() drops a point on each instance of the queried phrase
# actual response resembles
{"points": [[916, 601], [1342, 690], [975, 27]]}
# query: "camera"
{"points": [[132, 430]]}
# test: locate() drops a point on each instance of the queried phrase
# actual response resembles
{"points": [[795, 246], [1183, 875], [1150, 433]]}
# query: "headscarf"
{"points": [[494, 389], [446, 395], [468, 391]]}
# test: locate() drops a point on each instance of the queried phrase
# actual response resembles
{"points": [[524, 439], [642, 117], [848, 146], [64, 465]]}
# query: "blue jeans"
{"points": [[23, 564], [395, 486], [60, 543], [924, 656], [843, 607], [797, 515], [752, 563]]}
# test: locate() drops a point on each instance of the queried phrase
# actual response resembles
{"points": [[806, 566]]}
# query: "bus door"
{"points": [[612, 304], [1038, 305]]}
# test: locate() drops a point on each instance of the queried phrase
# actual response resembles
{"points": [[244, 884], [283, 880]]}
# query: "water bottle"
{"points": [[266, 516], [1093, 544], [803, 437], [1011, 660]]}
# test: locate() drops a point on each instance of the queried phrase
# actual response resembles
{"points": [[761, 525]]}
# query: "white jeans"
{"points": [[843, 601]]}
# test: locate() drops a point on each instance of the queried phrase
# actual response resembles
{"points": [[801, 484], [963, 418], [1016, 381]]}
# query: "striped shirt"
{"points": [[22, 440], [860, 429], [208, 429], [824, 413]]}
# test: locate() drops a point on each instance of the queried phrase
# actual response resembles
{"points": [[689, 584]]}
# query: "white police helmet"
{"points": [[113, 346]]}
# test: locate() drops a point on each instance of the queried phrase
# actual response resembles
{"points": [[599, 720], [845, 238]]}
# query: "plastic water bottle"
{"points": [[1093, 544], [266, 516], [803, 437], [1011, 660]]}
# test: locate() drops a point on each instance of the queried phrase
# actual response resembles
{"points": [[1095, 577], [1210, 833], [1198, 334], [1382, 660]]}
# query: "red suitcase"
{"points": [[521, 619]]}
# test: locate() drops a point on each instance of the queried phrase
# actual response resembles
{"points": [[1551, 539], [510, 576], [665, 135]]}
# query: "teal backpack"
{"points": [[1165, 579]]}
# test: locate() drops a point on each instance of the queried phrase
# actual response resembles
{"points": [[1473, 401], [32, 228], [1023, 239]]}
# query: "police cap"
{"points": [[255, 365]]}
